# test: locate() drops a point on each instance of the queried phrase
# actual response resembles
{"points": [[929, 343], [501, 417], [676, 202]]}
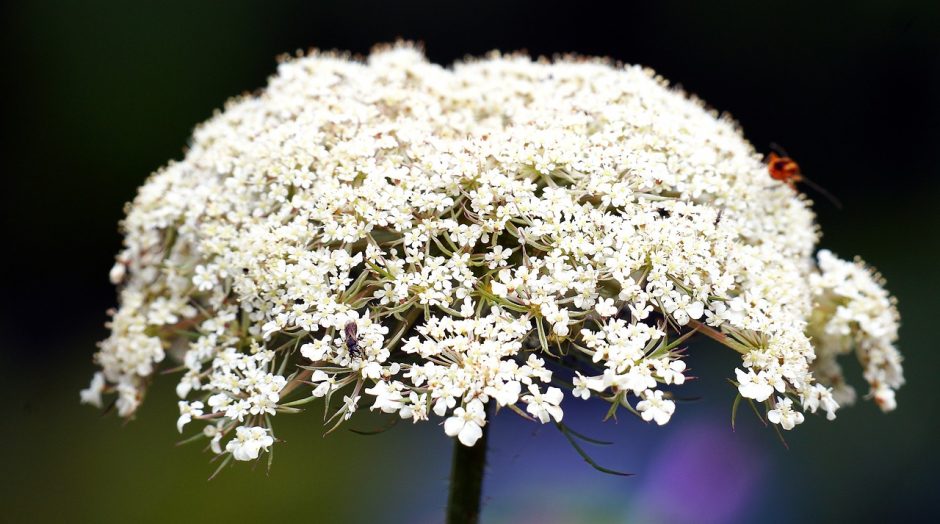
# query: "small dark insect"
{"points": [[352, 340], [624, 313]]}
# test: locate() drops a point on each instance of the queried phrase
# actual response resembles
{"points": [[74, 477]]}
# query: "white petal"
{"points": [[695, 309], [773, 416], [453, 425], [554, 395], [470, 434]]}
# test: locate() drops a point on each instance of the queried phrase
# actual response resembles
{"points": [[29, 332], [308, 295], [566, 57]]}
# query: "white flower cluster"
{"points": [[451, 241], [853, 311]]}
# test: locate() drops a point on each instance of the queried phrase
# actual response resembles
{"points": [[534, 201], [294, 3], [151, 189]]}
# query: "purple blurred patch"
{"points": [[702, 473]]}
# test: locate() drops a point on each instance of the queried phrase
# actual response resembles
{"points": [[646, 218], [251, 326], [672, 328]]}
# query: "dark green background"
{"points": [[99, 94]]}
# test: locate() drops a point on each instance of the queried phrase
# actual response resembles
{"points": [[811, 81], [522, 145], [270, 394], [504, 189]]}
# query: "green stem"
{"points": [[466, 480]]}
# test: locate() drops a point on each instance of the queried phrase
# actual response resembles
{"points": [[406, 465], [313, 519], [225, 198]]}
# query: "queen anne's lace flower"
{"points": [[655, 407], [426, 242], [466, 424], [248, 442], [784, 414]]}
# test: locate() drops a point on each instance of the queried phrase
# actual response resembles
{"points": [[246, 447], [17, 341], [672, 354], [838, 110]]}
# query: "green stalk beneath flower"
{"points": [[466, 479]]}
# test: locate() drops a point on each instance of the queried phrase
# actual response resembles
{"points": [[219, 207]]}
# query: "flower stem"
{"points": [[466, 480]]}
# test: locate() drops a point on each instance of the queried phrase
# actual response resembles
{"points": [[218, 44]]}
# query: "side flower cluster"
{"points": [[854, 313]]}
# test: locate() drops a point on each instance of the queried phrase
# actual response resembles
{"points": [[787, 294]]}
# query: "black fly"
{"points": [[352, 339]]}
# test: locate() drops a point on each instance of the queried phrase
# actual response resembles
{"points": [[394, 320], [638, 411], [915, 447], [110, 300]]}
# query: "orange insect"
{"points": [[786, 170]]}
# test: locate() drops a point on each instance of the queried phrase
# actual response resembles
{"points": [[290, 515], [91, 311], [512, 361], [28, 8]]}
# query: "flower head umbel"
{"points": [[436, 243]]}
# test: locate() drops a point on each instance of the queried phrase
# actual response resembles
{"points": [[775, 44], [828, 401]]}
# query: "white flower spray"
{"points": [[498, 233]]}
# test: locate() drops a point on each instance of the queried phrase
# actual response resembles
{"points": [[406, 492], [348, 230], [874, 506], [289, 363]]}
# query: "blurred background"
{"points": [[100, 94]]}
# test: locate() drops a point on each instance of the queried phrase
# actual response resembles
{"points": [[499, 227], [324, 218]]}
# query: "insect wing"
{"points": [[351, 330]]}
